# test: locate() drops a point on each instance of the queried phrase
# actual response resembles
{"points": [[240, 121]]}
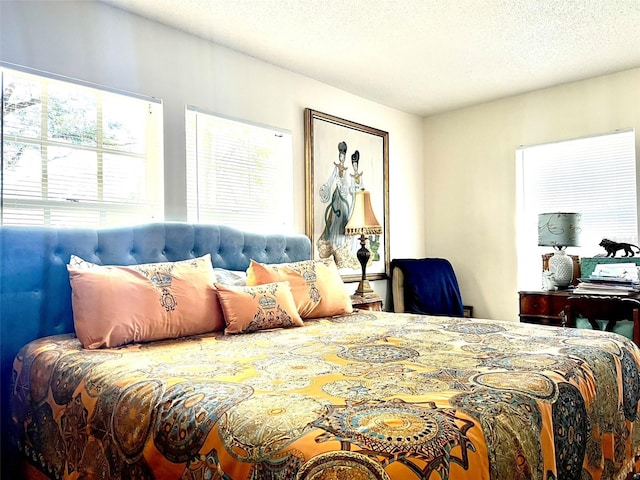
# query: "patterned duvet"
{"points": [[372, 395]]}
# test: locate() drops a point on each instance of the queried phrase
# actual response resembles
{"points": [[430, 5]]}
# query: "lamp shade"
{"points": [[362, 221], [559, 229]]}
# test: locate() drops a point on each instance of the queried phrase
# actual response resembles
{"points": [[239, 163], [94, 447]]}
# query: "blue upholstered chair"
{"points": [[426, 286]]}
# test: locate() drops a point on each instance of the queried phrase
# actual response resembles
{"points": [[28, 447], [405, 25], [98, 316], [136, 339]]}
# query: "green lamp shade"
{"points": [[559, 229]]}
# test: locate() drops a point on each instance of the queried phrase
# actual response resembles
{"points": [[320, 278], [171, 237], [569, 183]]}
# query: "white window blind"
{"points": [[75, 155], [595, 176], [238, 174]]}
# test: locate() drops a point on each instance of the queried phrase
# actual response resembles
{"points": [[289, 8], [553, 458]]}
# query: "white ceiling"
{"points": [[419, 56]]}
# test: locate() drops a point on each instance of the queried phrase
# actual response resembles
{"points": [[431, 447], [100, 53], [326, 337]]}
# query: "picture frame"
{"points": [[333, 172]]}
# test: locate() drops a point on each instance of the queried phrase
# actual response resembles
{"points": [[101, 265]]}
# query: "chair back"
{"points": [[599, 308], [427, 286]]}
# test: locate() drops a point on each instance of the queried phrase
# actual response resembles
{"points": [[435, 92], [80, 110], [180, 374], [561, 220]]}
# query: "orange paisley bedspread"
{"points": [[372, 395]]}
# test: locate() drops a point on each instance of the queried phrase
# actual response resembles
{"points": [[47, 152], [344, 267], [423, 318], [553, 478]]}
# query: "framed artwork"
{"points": [[342, 157]]}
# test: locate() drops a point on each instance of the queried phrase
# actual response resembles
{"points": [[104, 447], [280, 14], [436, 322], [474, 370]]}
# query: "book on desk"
{"points": [[610, 279]]}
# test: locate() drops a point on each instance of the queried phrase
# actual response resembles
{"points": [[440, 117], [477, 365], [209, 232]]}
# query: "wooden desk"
{"points": [[543, 307], [548, 308]]}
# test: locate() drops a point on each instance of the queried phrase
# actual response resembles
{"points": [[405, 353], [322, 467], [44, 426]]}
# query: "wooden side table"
{"points": [[373, 302]]}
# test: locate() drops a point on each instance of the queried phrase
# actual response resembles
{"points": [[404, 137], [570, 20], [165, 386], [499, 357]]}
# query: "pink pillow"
{"points": [[261, 307], [317, 286], [116, 305]]}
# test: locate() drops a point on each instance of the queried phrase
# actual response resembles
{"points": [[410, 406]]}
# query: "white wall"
{"points": [[470, 192], [97, 43]]}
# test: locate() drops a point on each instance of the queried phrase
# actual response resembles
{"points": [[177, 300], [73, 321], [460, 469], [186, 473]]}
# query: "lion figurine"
{"points": [[612, 248]]}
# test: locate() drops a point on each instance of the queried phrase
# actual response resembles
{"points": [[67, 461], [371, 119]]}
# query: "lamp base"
{"points": [[364, 289], [561, 265]]}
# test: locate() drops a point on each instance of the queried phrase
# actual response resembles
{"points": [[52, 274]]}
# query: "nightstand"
{"points": [[373, 302]]}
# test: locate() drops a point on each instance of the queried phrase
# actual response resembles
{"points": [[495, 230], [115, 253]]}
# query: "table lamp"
{"points": [[560, 230], [363, 222]]}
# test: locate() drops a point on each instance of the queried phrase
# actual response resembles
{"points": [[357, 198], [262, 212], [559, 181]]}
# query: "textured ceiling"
{"points": [[419, 56]]}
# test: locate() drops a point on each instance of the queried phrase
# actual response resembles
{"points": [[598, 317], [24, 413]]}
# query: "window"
{"points": [[595, 176], [238, 174], [77, 155]]}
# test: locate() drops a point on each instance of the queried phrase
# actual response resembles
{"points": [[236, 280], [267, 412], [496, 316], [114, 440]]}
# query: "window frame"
{"points": [[277, 217], [529, 254], [97, 211]]}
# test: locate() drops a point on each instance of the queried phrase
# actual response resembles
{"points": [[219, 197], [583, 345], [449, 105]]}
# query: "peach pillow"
{"points": [[116, 305], [260, 307], [317, 287]]}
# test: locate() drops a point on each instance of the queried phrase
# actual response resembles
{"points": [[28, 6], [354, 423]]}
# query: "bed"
{"points": [[355, 395]]}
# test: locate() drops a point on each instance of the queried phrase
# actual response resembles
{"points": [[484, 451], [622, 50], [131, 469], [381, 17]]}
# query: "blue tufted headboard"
{"points": [[35, 294]]}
